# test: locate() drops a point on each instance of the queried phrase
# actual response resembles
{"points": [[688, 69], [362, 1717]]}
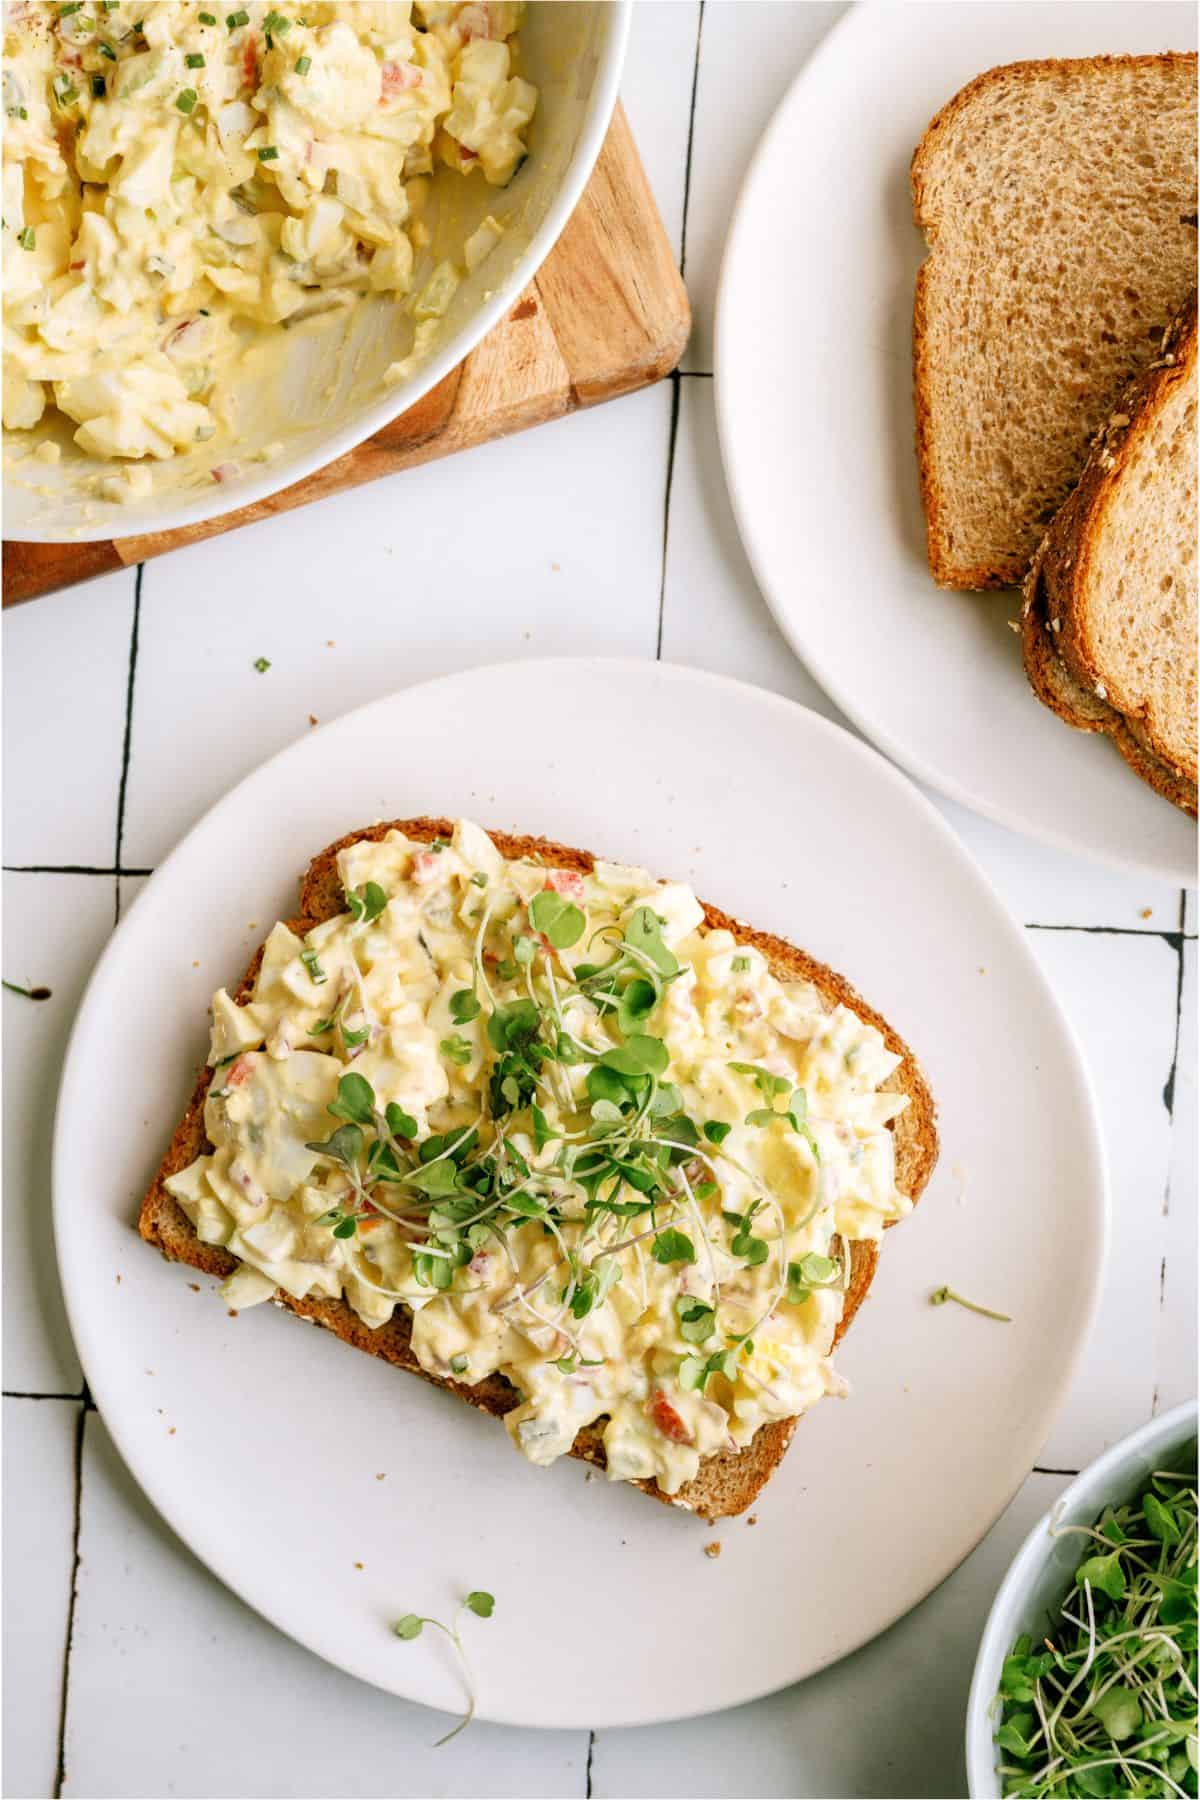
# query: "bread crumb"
{"points": [[381, 1478], [358, 1565], [232, 1313], [330, 644], [1013, 624], [313, 719], [1119, 419], [713, 1549], [118, 1281], [557, 567], [195, 965], [195, 1286], [982, 970], [753, 1519], [1147, 912], [1056, 626], [171, 1432], [1101, 691]]}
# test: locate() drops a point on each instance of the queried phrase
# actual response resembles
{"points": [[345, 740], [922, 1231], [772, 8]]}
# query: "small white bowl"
{"points": [[1044, 1567], [331, 394]]}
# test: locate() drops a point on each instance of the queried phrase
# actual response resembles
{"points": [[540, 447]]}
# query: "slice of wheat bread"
{"points": [[1108, 620], [1058, 200], [728, 1481], [1057, 688], [1118, 565]]}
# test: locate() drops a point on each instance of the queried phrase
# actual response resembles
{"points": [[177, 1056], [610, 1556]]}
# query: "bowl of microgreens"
{"points": [[1085, 1682]]}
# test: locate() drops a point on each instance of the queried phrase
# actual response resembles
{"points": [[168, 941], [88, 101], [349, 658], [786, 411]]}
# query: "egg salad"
{"points": [[178, 180], [590, 1144]]}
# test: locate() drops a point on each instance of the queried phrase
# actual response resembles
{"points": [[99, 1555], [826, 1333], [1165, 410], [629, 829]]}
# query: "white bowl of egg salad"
{"points": [[239, 239]]}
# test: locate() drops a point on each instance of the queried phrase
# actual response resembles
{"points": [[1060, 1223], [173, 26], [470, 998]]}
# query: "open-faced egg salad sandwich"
{"points": [[557, 1136]]}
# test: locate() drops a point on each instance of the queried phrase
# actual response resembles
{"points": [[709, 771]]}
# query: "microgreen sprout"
{"points": [[1105, 1704], [29, 993], [940, 1296], [480, 1603]]}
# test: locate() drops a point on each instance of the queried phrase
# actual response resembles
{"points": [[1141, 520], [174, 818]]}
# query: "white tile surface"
{"points": [[1175, 1367], [713, 614], [750, 53], [177, 1688], [439, 568], [66, 666], [1119, 993], [507, 551], [656, 89], [39, 1559], [887, 1721], [54, 928]]}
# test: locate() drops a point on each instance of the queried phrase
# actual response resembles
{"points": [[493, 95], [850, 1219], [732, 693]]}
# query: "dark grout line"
{"points": [[587, 1789], [24, 1394], [672, 441], [695, 374], [127, 743], [81, 1426], [1168, 1093], [687, 164], [676, 377], [1176, 939], [1037, 1469], [68, 869]]}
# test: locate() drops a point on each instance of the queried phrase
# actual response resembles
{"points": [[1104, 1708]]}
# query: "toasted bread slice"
{"points": [[1059, 203], [1108, 625], [728, 1481]]}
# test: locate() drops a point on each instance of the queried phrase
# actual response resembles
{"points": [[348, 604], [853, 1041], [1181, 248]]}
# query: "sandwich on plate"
{"points": [[558, 1137]]}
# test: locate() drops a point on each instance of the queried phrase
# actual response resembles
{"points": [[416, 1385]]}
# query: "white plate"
{"points": [[814, 404], [607, 1611]]}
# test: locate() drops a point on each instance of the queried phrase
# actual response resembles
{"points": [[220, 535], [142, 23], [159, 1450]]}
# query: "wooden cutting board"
{"points": [[606, 314]]}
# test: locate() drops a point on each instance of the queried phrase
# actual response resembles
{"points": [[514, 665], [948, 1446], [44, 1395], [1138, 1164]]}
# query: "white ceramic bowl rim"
{"points": [[601, 103], [1111, 1477]]}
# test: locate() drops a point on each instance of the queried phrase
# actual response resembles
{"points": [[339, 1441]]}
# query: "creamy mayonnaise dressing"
{"points": [[522, 1028], [181, 181]]}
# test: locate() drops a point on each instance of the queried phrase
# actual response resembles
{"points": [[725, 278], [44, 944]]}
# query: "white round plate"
{"points": [[279, 1434], [814, 406]]}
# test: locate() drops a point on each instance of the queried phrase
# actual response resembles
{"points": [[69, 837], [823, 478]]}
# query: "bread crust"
{"points": [[948, 568], [728, 1481], [1058, 655]]}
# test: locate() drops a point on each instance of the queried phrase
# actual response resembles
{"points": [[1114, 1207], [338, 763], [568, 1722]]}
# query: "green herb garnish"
{"points": [[412, 1624], [27, 238], [302, 65], [1105, 1704], [194, 59], [366, 906], [260, 662], [941, 1295], [28, 993], [268, 153], [186, 102]]}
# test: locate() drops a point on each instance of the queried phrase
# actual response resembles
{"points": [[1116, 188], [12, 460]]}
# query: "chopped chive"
{"points": [[261, 664], [27, 238], [233, 20], [64, 12], [186, 101], [303, 65], [207, 18], [107, 50], [194, 59], [99, 86], [268, 153]]}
